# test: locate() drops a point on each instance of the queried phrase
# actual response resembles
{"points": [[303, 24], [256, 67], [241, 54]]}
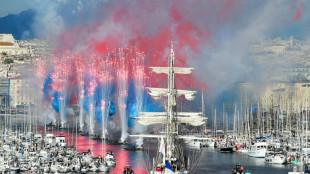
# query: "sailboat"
{"points": [[173, 159]]}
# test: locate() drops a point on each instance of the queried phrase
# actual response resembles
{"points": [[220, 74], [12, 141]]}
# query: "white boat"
{"points": [[49, 139], [61, 141], [109, 159], [37, 137], [210, 142], [32, 156], [243, 150], [258, 150], [196, 143], [4, 166], [275, 158]]}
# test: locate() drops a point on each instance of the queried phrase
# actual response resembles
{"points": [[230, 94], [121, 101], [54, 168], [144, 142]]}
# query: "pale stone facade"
{"points": [[11, 47], [285, 95], [22, 92]]}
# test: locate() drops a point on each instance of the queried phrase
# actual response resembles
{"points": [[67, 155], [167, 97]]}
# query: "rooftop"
{"points": [[6, 44]]}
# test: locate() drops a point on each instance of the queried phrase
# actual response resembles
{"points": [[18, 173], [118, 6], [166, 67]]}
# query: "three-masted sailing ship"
{"points": [[173, 158]]}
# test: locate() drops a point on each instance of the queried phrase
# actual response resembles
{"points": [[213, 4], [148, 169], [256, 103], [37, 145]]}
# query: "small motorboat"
{"points": [[131, 147], [275, 158], [115, 142], [128, 170], [83, 133], [94, 137], [51, 124], [109, 159], [239, 170], [226, 148]]}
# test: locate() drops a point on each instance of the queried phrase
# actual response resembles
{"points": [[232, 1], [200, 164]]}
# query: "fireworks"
{"points": [[91, 79]]}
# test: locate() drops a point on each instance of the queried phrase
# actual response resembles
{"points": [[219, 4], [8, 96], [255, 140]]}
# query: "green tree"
{"points": [[8, 61], [4, 54]]}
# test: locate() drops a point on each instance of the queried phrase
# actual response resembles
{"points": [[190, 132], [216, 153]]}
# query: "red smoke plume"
{"points": [[149, 26]]}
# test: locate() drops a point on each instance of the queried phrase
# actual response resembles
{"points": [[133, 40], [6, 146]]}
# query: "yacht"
{"points": [[258, 150], [109, 159], [275, 158], [61, 140]]}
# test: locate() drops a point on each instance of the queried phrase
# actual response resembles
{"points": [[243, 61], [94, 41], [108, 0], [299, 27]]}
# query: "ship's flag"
{"points": [[162, 149], [168, 169]]}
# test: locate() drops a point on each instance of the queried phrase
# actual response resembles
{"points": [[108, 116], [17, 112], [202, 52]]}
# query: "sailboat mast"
{"points": [[203, 111], [215, 125], [2, 136], [234, 126], [171, 103]]}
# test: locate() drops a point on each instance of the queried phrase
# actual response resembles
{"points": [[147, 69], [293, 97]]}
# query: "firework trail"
{"points": [[80, 68], [60, 79], [91, 93], [122, 82], [105, 79]]}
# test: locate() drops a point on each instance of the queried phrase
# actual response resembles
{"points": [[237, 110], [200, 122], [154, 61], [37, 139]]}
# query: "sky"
{"points": [[296, 29], [210, 35], [14, 6]]}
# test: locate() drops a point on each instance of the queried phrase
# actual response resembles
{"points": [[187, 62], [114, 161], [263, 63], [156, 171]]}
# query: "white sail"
{"points": [[156, 93], [170, 118], [176, 70], [146, 136], [156, 114], [191, 118], [193, 138]]}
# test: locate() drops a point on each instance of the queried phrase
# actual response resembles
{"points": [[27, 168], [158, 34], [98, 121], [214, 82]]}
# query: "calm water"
{"points": [[209, 159], [213, 161]]}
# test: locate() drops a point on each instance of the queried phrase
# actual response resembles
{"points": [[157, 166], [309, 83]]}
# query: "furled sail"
{"points": [[156, 93], [176, 70], [191, 118]]}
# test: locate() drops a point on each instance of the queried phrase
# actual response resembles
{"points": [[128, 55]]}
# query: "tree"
{"points": [[8, 61], [3, 53]]}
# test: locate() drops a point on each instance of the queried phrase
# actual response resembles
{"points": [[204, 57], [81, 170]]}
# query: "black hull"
{"points": [[132, 148], [83, 133], [51, 125], [95, 137], [226, 149], [114, 142]]}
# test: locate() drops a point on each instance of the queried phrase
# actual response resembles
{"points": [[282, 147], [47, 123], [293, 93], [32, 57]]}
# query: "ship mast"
{"points": [[171, 105], [170, 117]]}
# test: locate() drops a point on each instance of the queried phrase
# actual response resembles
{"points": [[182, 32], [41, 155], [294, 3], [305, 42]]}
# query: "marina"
{"points": [[211, 160]]}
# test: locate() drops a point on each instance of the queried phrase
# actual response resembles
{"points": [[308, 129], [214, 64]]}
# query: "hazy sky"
{"points": [[228, 25], [14, 6]]}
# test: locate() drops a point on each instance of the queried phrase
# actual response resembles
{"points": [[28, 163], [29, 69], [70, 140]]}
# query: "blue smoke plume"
{"points": [[148, 105]]}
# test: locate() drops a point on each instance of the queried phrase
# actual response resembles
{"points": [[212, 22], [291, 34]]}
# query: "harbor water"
{"points": [[210, 159]]}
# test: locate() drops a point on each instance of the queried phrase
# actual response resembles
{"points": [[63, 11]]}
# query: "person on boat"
{"points": [[131, 171], [158, 169], [125, 170], [307, 169], [128, 170]]}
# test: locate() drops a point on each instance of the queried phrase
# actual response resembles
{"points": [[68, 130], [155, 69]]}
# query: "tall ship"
{"points": [[171, 157]]}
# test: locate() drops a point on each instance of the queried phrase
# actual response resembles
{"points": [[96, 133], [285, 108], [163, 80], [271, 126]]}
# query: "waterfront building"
{"points": [[4, 91], [11, 47], [22, 93]]}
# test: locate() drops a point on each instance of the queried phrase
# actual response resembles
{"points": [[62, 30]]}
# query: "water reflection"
{"points": [[222, 163], [211, 160], [122, 157]]}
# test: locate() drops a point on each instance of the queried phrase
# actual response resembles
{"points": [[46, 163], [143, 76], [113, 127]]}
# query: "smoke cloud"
{"points": [[211, 36]]}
